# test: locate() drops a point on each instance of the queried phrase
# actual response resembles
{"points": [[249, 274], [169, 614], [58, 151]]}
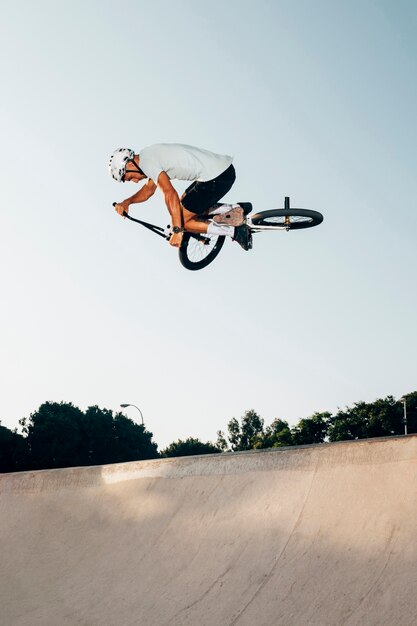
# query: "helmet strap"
{"points": [[137, 166]]}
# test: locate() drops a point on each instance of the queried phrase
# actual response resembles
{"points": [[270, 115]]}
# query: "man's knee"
{"points": [[188, 217]]}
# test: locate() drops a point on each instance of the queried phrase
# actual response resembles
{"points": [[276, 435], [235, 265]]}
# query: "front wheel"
{"points": [[197, 251], [290, 219]]}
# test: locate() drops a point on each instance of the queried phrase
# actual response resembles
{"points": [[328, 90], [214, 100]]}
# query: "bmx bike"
{"points": [[199, 250]]}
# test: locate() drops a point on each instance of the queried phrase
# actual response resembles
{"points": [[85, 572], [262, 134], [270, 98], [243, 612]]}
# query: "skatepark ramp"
{"points": [[318, 535]]}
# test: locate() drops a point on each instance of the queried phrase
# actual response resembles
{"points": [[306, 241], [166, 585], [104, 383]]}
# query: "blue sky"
{"points": [[315, 100]]}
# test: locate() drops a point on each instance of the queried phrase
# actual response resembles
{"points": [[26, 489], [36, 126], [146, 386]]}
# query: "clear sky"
{"points": [[315, 100]]}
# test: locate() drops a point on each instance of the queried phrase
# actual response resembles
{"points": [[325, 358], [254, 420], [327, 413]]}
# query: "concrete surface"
{"points": [[317, 535]]}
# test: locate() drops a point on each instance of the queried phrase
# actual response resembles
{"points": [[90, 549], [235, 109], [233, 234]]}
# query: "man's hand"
{"points": [[122, 207], [176, 240]]}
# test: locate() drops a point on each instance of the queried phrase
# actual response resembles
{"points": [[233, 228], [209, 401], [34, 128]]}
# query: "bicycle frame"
{"points": [[198, 250], [158, 230], [256, 228]]}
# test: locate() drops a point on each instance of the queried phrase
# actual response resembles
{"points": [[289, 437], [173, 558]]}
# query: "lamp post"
{"points": [[124, 406], [404, 402]]}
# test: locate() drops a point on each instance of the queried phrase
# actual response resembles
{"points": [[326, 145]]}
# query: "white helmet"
{"points": [[117, 164]]}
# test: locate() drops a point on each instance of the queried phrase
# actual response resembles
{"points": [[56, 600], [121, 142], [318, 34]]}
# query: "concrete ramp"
{"points": [[319, 535]]}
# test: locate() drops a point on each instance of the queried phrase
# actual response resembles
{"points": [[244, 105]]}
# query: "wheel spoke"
{"points": [[285, 220], [198, 250], [197, 253]]}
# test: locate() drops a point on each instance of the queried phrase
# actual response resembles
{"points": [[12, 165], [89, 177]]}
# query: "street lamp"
{"points": [[404, 402], [124, 406]]}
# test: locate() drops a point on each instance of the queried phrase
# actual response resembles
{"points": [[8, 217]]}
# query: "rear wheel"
{"points": [[198, 251], [290, 219]]}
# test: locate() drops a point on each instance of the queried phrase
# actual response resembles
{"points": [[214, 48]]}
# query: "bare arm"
{"points": [[144, 193], [171, 199], [173, 205]]}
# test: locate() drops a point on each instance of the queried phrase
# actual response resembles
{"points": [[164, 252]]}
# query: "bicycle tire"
{"points": [[288, 218], [193, 258]]}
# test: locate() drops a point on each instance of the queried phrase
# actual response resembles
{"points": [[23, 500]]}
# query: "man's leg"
{"points": [[201, 199], [194, 223]]}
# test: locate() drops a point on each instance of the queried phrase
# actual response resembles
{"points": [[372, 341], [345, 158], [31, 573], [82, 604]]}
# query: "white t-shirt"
{"points": [[182, 162]]}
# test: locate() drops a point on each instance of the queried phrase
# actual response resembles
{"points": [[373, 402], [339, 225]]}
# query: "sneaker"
{"points": [[246, 206], [243, 236], [236, 216]]}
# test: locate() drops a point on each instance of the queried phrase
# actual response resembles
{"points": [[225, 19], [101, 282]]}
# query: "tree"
{"points": [[277, 435], [189, 447], [61, 435], [13, 451], [131, 442], [381, 418], [385, 417], [97, 428], [221, 442], [348, 424], [55, 438], [248, 433], [312, 429]]}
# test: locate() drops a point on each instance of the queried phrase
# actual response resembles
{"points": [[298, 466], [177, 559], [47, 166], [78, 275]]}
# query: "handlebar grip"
{"points": [[124, 212]]}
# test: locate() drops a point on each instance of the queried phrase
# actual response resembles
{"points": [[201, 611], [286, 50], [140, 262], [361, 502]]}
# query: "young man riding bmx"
{"points": [[212, 176]]}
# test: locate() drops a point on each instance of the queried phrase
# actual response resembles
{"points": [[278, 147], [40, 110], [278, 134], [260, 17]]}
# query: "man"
{"points": [[212, 176]]}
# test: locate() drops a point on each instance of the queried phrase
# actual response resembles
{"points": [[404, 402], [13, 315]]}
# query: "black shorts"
{"points": [[201, 196]]}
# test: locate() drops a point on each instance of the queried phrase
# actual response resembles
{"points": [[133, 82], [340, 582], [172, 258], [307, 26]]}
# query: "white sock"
{"points": [[220, 229]]}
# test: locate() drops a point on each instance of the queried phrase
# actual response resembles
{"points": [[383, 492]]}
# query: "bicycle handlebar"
{"points": [[155, 229]]}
